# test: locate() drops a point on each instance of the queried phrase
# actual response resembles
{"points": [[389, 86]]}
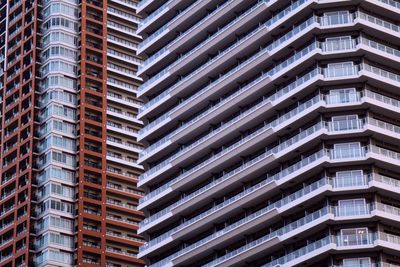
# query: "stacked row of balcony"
{"points": [[56, 164], [122, 240], [18, 57], [264, 131]]}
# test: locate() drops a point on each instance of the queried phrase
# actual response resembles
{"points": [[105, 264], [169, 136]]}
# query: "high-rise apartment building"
{"points": [[68, 191], [271, 131]]}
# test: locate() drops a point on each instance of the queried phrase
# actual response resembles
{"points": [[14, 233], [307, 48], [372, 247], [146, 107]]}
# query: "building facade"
{"points": [[68, 192], [272, 132]]}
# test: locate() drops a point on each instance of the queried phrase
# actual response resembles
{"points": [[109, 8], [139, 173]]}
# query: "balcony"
{"points": [[123, 100], [124, 57], [121, 252], [333, 155], [148, 19], [124, 145], [311, 23], [290, 201], [165, 50], [121, 204], [163, 73], [127, 3], [274, 125], [122, 42], [282, 119], [271, 22], [134, 239], [120, 84], [123, 115], [286, 232], [124, 189], [343, 71], [122, 220], [122, 14], [122, 28]]}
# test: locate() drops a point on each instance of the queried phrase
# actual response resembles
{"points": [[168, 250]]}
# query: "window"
{"points": [[352, 207], [347, 150], [343, 123], [357, 262], [64, 38], [337, 17], [341, 69], [349, 178], [59, 66], [354, 237], [56, 51], [62, 223], [57, 81], [62, 8], [338, 43], [60, 22], [346, 95]]}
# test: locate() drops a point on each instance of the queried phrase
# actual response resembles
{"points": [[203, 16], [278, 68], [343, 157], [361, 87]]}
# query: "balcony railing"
{"points": [[269, 48], [355, 181], [355, 210], [333, 154], [391, 3], [336, 72], [346, 19], [251, 135], [164, 28], [283, 119], [165, 48], [283, 14], [243, 114], [215, 35]]}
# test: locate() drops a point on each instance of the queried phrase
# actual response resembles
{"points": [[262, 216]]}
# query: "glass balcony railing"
{"points": [[276, 149], [378, 22], [345, 46], [165, 27], [143, 3], [334, 154], [350, 125], [352, 210], [274, 19], [382, 98], [368, 93], [290, 227], [348, 153], [380, 72], [342, 240], [381, 47], [387, 180], [121, 41], [351, 181], [224, 52], [226, 27], [344, 18], [121, 27], [357, 124], [222, 126], [154, 13], [126, 15], [165, 48], [251, 135], [297, 83], [287, 172], [348, 70], [269, 48], [392, 3]]}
